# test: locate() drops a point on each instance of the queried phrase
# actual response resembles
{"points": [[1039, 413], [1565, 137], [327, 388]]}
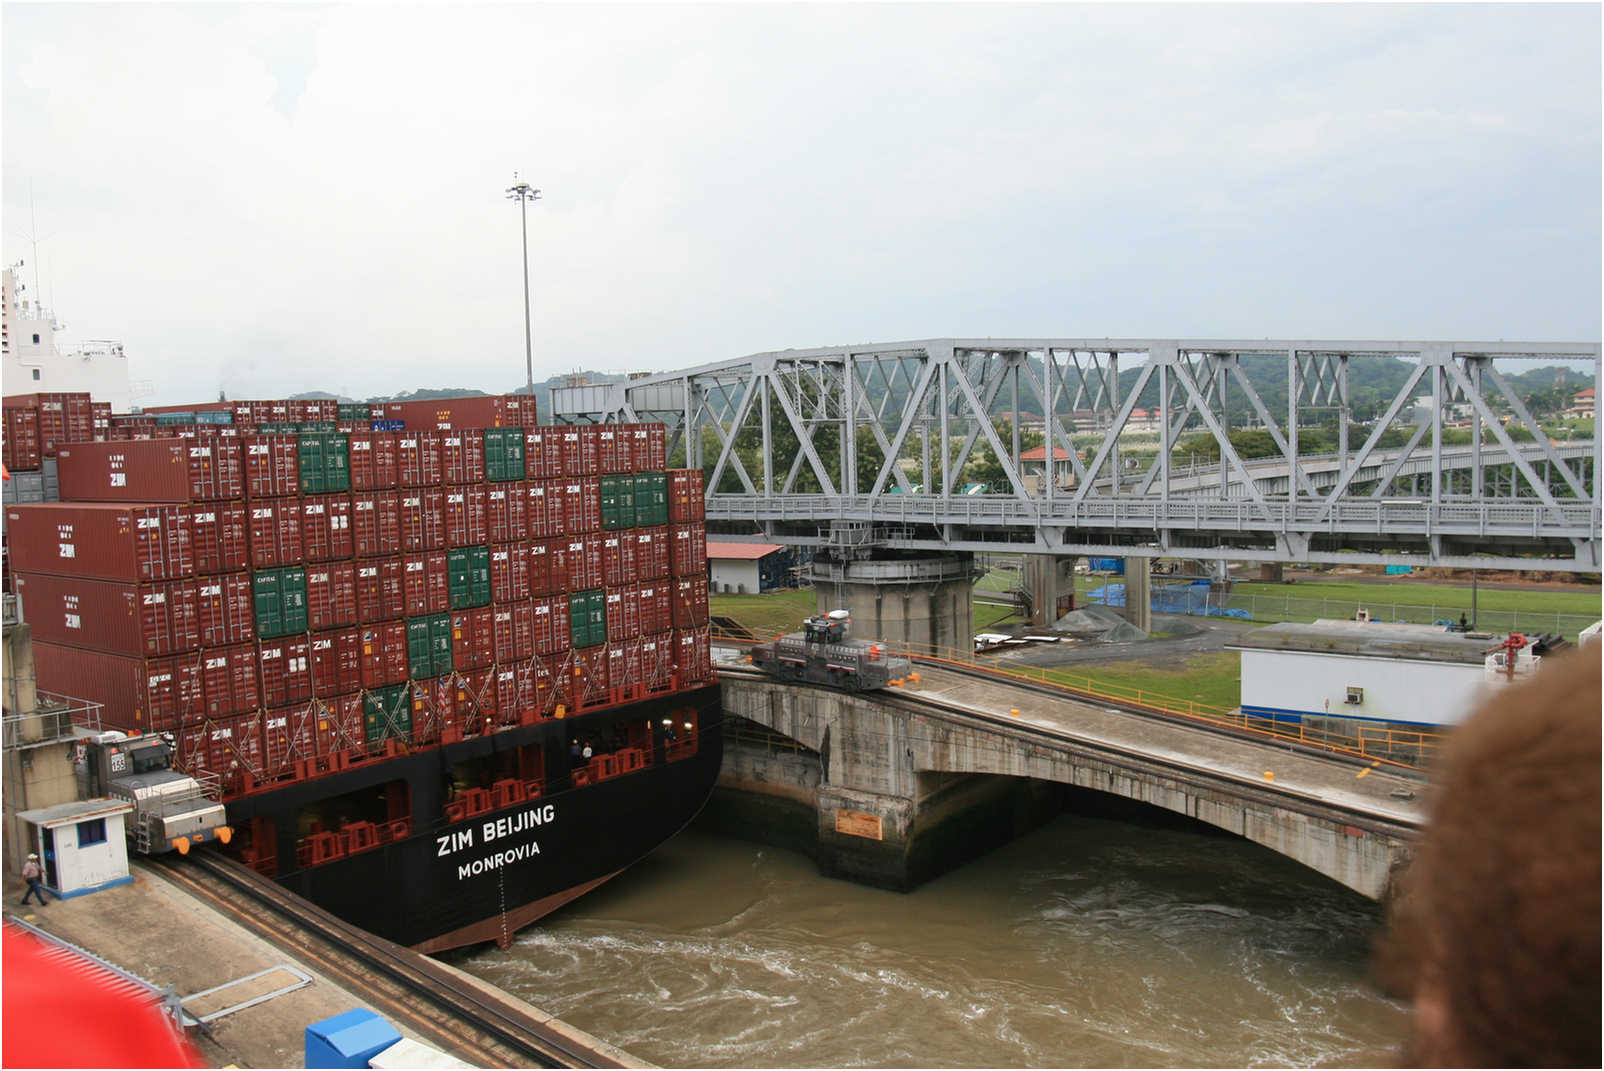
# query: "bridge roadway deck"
{"points": [[1298, 773]]}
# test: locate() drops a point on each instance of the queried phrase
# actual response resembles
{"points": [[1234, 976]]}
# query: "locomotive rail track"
{"points": [[444, 1007]]}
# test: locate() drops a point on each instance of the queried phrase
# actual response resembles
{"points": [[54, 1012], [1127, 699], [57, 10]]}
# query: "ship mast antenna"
{"points": [[523, 193]]}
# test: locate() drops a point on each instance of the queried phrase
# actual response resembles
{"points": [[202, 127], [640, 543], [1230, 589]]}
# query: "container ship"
{"points": [[447, 668]]}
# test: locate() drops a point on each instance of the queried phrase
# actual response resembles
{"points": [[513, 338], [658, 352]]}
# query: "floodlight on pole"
{"points": [[523, 193]]}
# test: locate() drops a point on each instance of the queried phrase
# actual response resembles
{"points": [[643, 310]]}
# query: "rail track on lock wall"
{"points": [[444, 1007]]}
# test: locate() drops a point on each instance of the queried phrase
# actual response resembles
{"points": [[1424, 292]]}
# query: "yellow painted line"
{"points": [[1367, 769]]}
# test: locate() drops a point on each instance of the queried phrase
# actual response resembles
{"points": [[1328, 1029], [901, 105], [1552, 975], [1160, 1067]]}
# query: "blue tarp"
{"points": [[1190, 598]]}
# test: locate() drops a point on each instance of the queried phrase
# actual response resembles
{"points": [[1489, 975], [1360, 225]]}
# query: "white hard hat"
{"points": [[31, 855]]}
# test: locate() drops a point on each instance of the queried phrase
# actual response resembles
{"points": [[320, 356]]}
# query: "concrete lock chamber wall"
{"points": [[922, 599]]}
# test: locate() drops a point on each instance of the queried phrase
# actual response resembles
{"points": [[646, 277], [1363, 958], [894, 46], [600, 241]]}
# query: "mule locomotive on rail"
{"points": [[824, 653]]}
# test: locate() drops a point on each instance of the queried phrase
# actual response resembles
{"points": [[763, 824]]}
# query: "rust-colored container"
{"points": [[272, 465], [326, 532], [688, 601], [63, 417], [513, 630], [339, 726], [21, 439], [612, 449], [693, 663], [576, 562], [507, 512], [509, 572], [623, 613], [445, 414], [375, 523], [228, 679], [110, 615], [554, 683], [656, 612], [426, 582], [462, 457], [337, 661], [224, 611], [375, 461], [138, 694], [581, 505], [651, 552], [578, 451], [99, 541], [476, 700], [229, 748], [551, 626], [219, 537], [380, 589], [310, 410], [618, 558], [542, 568], [649, 451], [466, 516], [543, 516], [472, 639], [285, 666], [687, 499], [657, 663], [418, 454], [687, 550], [289, 740], [423, 519], [543, 453], [434, 707], [623, 671], [151, 470], [591, 684], [384, 654], [331, 596], [515, 694], [275, 532]]}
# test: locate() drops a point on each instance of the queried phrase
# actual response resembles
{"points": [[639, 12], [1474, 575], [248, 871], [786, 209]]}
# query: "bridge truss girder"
{"points": [[867, 445]]}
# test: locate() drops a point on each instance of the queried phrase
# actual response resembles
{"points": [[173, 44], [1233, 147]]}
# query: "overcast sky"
{"points": [[269, 198]]}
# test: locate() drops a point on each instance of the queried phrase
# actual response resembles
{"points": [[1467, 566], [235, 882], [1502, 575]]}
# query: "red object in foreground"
{"points": [[61, 1010]]}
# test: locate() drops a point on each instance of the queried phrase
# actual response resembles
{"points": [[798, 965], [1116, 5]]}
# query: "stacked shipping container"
{"points": [[292, 603]]}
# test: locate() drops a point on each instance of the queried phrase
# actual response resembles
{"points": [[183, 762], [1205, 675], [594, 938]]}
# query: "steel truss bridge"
{"points": [[864, 447]]}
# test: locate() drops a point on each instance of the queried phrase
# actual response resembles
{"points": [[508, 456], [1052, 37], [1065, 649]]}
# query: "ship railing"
{"points": [[53, 719], [13, 610]]}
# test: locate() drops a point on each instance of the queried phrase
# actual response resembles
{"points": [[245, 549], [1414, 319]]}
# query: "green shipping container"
{"points": [[468, 571], [279, 596], [325, 463], [617, 502], [587, 618], [276, 427], [504, 454], [349, 411], [428, 646], [651, 499], [317, 427], [387, 713], [440, 643]]}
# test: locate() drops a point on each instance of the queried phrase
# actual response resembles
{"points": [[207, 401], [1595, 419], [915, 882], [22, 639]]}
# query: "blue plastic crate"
{"points": [[349, 1039]]}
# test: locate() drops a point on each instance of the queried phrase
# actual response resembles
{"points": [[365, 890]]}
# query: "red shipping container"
{"points": [[21, 439], [286, 670], [543, 509], [585, 570], [375, 460], [426, 583], [657, 663], [516, 702], [331, 597], [541, 576], [434, 707], [462, 457], [100, 541], [543, 453], [229, 748], [465, 516], [337, 662], [591, 684], [618, 558], [612, 449], [137, 694], [419, 458], [473, 642], [380, 590], [110, 615], [551, 625], [375, 523], [509, 572], [63, 418], [693, 655], [651, 553], [688, 601], [326, 533], [649, 449], [623, 685], [272, 466], [275, 532], [384, 654], [581, 505], [554, 683], [476, 700], [687, 499], [310, 410], [339, 726], [219, 537], [506, 512], [274, 411], [228, 678], [423, 519], [224, 610], [687, 550], [623, 613], [289, 738], [655, 613], [514, 633], [572, 440], [444, 414]]}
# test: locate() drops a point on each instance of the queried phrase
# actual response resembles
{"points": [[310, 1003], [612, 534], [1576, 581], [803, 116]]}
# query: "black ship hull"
{"points": [[457, 882]]}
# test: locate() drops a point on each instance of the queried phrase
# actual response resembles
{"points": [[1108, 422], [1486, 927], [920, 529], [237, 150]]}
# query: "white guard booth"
{"points": [[81, 845]]}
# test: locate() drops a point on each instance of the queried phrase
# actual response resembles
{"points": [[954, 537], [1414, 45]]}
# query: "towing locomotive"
{"points": [[172, 811], [823, 653]]}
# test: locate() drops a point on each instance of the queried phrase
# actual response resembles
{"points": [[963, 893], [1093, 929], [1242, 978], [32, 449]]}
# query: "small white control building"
{"points": [[81, 845]]}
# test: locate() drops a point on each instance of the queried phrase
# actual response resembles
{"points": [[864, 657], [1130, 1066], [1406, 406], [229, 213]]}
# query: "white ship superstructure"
{"points": [[31, 362]]}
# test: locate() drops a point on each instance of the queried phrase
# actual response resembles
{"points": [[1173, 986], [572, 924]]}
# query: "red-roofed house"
{"points": [[1582, 407], [749, 568], [1033, 462]]}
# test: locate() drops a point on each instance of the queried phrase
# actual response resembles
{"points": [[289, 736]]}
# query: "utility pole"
{"points": [[523, 193]]}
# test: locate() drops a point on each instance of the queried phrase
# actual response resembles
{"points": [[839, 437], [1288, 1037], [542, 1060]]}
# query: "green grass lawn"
{"points": [[1583, 601], [1210, 678]]}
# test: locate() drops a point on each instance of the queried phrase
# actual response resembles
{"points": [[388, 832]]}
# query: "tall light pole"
{"points": [[523, 193]]}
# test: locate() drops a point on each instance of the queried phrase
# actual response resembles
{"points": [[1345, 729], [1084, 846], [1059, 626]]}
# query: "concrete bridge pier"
{"points": [[922, 599], [1049, 578], [1139, 593]]}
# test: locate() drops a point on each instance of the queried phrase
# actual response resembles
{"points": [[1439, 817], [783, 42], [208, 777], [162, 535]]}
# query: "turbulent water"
{"points": [[1090, 942]]}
